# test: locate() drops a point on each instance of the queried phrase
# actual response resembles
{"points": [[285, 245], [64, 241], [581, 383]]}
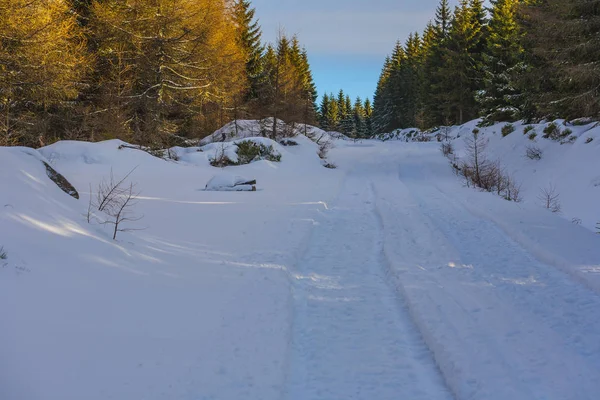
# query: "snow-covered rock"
{"points": [[225, 182]]}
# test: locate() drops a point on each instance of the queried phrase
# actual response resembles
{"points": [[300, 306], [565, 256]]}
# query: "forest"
{"points": [[148, 72], [156, 72]]}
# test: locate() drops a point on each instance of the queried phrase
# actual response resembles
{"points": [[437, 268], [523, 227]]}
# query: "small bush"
{"points": [[3, 254], [528, 129], [532, 136], [221, 160], [507, 130], [552, 131], [249, 151], [589, 140], [534, 153], [550, 198], [447, 149]]}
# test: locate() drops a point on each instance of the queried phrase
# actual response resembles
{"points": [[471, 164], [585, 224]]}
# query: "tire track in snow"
{"points": [[352, 336]]}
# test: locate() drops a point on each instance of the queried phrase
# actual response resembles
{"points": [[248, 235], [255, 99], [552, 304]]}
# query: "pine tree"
{"points": [[359, 129], [249, 38], [333, 115], [562, 77], [462, 67], [436, 83], [324, 113], [347, 122], [503, 56], [381, 112], [368, 118]]}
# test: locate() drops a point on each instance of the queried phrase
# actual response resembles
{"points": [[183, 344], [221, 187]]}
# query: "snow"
{"points": [[384, 278], [573, 168], [229, 182]]}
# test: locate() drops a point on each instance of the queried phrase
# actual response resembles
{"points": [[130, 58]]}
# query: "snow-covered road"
{"points": [[384, 279], [405, 292]]}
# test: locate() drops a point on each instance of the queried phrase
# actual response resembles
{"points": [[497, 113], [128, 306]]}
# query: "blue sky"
{"points": [[347, 41]]}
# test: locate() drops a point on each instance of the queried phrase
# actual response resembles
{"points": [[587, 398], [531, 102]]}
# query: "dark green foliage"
{"points": [[507, 129], [532, 136], [553, 131], [528, 129], [249, 151]]}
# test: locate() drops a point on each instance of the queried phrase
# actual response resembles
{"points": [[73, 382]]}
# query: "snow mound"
{"points": [[225, 182], [227, 153]]}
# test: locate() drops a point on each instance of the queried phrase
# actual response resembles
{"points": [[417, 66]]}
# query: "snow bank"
{"points": [[571, 164]]}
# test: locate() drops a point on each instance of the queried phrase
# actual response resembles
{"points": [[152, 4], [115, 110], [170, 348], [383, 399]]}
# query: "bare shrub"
{"points": [[512, 191], [121, 211], [550, 198], [476, 146], [447, 149], [3, 254], [115, 201], [534, 153], [110, 190]]}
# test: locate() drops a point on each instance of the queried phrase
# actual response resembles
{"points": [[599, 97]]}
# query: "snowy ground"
{"points": [[383, 279]]}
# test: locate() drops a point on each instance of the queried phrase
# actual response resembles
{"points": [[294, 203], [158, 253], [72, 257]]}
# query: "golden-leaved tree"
{"points": [[166, 66], [42, 62]]}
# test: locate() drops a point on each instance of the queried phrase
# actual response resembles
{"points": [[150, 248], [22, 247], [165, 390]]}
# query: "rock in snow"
{"points": [[226, 182]]}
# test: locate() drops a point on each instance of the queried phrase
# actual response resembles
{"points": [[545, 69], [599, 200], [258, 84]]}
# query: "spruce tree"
{"points": [[502, 57], [249, 37], [359, 130], [562, 76], [324, 112], [368, 118], [347, 122]]}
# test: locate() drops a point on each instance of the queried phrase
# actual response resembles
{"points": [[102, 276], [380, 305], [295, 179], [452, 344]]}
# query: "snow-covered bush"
{"points": [[528, 129], [589, 140], [3, 254], [532, 136], [507, 129], [249, 151], [534, 153]]}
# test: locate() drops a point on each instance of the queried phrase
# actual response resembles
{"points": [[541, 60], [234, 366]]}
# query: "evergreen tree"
{"points": [[347, 122], [324, 113], [562, 77], [249, 38], [462, 67], [381, 113], [359, 129], [333, 115], [368, 118], [503, 56]]}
